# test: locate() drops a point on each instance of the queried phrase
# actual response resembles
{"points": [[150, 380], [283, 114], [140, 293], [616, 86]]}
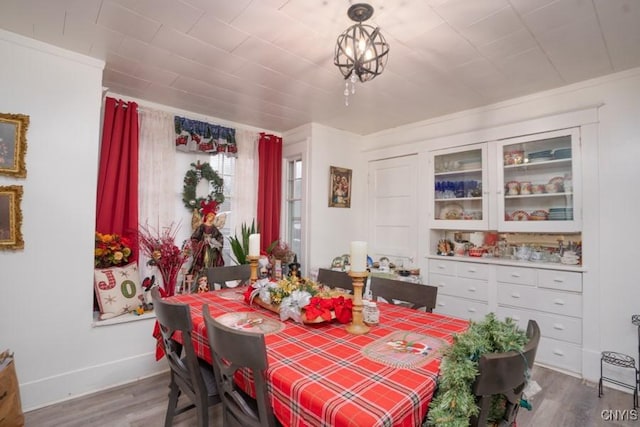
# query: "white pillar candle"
{"points": [[358, 257], [254, 245]]}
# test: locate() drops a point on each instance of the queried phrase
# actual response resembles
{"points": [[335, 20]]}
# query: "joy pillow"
{"points": [[118, 290]]}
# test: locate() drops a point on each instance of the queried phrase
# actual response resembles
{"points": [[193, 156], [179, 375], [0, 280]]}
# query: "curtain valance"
{"points": [[202, 137]]}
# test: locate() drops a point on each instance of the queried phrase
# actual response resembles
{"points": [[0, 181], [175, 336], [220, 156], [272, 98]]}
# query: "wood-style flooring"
{"points": [[563, 401]]}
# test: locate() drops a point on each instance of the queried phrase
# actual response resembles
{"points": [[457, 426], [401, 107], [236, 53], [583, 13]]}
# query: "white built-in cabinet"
{"points": [[522, 184], [553, 297]]}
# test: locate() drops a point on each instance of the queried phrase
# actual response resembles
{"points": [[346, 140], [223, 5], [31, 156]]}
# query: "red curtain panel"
{"points": [[117, 198], [269, 188]]}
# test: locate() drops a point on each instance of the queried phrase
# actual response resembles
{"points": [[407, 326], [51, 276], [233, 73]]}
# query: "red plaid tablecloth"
{"points": [[318, 375]]}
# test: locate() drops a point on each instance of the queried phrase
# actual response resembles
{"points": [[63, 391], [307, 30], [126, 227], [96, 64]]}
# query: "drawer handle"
{"points": [[441, 285], [515, 295], [515, 275], [558, 352], [441, 267], [471, 310], [558, 301], [441, 304], [558, 326], [558, 280], [472, 289], [516, 318], [471, 270]]}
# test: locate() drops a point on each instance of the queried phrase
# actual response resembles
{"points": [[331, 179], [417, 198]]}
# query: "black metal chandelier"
{"points": [[361, 50]]}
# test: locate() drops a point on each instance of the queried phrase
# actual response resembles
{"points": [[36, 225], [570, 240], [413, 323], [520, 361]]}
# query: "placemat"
{"points": [[403, 349], [250, 321]]}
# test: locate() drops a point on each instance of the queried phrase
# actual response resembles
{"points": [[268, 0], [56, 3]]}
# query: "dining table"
{"points": [[321, 375]]}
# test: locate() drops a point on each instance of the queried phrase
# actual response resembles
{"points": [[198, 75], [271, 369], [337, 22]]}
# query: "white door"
{"points": [[393, 209]]}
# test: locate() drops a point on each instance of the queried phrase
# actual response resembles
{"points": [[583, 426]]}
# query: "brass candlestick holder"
{"points": [[253, 262], [357, 326]]}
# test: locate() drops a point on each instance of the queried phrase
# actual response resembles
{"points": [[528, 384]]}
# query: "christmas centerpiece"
{"points": [[111, 250], [302, 300]]}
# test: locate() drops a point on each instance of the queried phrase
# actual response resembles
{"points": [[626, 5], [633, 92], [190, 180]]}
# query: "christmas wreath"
{"points": [[193, 176]]}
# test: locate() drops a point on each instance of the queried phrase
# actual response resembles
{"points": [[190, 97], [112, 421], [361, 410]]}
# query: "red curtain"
{"points": [[269, 188], [117, 198]]}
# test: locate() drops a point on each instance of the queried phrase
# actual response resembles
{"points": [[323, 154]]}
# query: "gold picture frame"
{"points": [[13, 144], [339, 187], [11, 217]]}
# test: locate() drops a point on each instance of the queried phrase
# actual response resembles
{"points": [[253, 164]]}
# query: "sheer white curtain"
{"points": [[157, 165], [245, 183]]}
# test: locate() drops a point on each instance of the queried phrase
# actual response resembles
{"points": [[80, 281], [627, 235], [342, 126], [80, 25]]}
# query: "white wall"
{"points": [[330, 230], [611, 203], [46, 289]]}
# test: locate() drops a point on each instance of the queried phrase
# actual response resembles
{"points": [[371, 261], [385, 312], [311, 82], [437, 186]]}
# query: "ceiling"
{"points": [[269, 63]]}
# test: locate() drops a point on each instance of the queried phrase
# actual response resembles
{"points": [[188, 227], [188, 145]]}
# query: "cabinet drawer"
{"points": [[562, 328], [561, 280], [472, 270], [559, 354], [519, 275], [465, 288], [442, 267], [550, 301], [462, 308]]}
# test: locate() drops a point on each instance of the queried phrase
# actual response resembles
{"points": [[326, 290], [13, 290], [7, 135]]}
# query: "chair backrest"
{"points": [[228, 273], [335, 279], [505, 373], [233, 349], [185, 369], [416, 295]]}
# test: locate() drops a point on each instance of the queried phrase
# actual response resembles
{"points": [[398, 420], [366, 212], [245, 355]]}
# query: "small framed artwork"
{"points": [[339, 187], [13, 144], [11, 217]]}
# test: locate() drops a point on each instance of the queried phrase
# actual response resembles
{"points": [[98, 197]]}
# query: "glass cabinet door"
{"points": [[538, 189], [458, 184]]}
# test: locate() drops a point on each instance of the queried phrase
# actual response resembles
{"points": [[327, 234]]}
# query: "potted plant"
{"points": [[240, 245]]}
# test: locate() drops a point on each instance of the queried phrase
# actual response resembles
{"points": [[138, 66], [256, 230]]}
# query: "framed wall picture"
{"points": [[11, 217], [13, 144], [339, 187]]}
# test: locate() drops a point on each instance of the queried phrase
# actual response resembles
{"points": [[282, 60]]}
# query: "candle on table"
{"points": [[358, 256], [254, 245]]}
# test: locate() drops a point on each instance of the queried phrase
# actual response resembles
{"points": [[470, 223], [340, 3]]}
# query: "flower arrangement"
{"points": [[162, 251], [302, 300], [111, 250]]}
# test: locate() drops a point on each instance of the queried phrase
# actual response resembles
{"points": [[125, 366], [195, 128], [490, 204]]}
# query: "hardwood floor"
{"points": [[563, 401]]}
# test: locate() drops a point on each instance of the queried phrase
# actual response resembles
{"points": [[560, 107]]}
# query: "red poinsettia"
{"points": [[319, 307], [342, 307]]}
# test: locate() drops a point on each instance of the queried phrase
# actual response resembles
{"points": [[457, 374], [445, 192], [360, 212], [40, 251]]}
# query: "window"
{"points": [[293, 215], [225, 166]]}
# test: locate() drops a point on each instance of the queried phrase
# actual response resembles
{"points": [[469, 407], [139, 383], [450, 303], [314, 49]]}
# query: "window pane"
{"points": [[298, 169], [297, 189]]}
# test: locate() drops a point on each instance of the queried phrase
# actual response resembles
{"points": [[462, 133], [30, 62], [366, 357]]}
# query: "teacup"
{"points": [[513, 188], [537, 188], [552, 187], [525, 187]]}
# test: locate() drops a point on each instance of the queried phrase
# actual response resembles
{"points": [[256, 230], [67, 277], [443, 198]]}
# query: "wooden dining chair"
{"points": [[414, 295], [189, 374], [507, 374], [335, 279], [228, 273], [231, 350]]}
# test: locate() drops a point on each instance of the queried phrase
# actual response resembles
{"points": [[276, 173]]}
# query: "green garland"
{"points": [[193, 176], [454, 402]]}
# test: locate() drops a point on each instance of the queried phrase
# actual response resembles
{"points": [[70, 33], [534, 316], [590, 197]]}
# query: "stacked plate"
{"points": [[540, 156], [560, 214]]}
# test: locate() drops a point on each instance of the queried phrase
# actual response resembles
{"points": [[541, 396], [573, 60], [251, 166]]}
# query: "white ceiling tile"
{"points": [[620, 24], [558, 14], [262, 21], [528, 68], [526, 6], [126, 21], [408, 20], [123, 79], [154, 74], [511, 44], [444, 47], [224, 10], [171, 13], [576, 51], [463, 13], [493, 27], [217, 33]]}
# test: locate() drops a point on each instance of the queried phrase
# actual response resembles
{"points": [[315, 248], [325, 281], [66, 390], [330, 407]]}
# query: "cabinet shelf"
{"points": [[528, 196], [539, 165], [457, 199], [458, 172]]}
